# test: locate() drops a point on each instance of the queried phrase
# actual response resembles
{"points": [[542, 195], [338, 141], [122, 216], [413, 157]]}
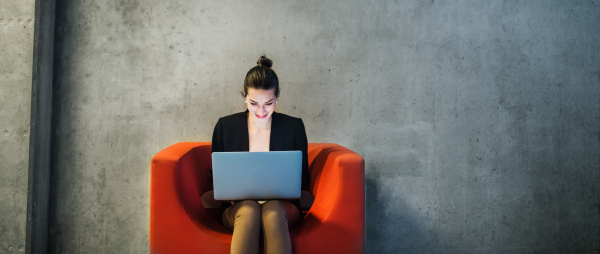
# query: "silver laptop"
{"points": [[257, 175]]}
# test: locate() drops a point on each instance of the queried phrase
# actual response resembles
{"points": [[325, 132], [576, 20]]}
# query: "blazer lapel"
{"points": [[273, 138], [245, 140]]}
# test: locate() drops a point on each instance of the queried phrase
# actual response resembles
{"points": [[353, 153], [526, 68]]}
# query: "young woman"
{"points": [[260, 129]]}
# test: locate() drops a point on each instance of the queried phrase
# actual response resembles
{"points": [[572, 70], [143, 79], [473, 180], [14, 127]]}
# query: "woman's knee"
{"points": [[274, 209], [248, 208]]}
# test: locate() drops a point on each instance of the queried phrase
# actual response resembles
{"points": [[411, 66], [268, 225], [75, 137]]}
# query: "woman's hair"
{"points": [[261, 77]]}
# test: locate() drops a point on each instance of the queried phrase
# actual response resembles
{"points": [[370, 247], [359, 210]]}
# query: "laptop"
{"points": [[257, 175]]}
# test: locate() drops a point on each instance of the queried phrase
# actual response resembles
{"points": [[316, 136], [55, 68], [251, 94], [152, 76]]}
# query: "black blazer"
{"points": [[287, 133]]}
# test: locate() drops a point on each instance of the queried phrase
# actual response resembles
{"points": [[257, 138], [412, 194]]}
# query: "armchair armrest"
{"points": [[171, 229], [336, 221]]}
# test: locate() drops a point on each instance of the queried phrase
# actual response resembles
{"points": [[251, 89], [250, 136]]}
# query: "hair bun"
{"points": [[264, 61]]}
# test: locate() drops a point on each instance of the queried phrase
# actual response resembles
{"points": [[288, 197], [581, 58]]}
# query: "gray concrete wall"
{"points": [[16, 55], [479, 120]]}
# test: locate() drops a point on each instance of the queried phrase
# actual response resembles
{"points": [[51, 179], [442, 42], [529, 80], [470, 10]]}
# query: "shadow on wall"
{"points": [[402, 233]]}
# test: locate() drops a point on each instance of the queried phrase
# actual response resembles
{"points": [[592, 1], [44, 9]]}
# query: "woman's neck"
{"points": [[253, 125]]}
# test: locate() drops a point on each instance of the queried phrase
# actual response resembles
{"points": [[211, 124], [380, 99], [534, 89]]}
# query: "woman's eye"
{"points": [[269, 104], [253, 104]]}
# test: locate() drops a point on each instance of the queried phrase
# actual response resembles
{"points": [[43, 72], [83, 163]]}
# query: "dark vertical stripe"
{"points": [[40, 129]]}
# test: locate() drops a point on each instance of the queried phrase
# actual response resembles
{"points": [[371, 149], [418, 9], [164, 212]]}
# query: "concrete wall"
{"points": [[16, 55], [479, 120]]}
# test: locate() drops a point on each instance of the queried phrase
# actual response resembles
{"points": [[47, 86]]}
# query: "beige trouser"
{"points": [[244, 219]]}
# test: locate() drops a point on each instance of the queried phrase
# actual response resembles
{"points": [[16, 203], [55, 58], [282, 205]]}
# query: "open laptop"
{"points": [[257, 175]]}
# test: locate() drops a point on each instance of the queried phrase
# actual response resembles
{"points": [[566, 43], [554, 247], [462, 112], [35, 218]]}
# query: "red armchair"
{"points": [[179, 222]]}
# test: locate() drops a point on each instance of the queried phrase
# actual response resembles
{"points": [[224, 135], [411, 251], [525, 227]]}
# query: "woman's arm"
{"points": [[217, 138], [302, 145], [217, 146]]}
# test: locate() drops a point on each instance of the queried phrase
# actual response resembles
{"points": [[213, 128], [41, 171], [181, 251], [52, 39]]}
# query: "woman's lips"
{"points": [[261, 117]]}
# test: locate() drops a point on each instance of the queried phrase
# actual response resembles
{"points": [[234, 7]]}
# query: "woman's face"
{"points": [[261, 103]]}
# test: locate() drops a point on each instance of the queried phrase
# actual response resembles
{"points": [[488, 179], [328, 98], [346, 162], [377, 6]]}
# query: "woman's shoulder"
{"points": [[233, 118], [286, 119], [241, 117]]}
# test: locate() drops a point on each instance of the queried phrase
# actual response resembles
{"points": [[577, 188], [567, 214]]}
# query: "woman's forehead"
{"points": [[260, 95]]}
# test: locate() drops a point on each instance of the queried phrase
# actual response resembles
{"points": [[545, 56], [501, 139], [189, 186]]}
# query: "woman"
{"points": [[260, 129]]}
